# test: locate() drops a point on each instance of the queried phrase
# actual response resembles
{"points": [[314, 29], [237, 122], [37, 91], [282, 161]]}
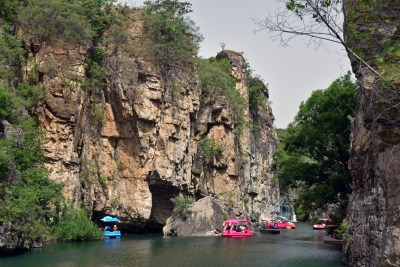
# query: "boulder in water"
{"points": [[205, 218]]}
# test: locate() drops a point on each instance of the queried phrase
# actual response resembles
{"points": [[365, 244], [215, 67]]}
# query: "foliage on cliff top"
{"points": [[315, 149], [75, 21], [173, 36], [216, 75], [53, 19]]}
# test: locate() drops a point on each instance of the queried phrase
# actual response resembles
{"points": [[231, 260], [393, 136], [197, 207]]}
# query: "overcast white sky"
{"points": [[292, 72]]}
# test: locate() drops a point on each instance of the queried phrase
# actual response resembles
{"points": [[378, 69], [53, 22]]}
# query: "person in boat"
{"points": [[107, 228], [115, 228]]}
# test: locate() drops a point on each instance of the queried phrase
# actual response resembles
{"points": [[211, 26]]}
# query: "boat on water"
{"points": [[237, 228], [268, 228], [323, 224], [282, 223], [331, 240], [110, 229]]}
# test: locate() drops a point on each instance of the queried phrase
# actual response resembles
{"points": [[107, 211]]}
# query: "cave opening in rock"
{"points": [[162, 206]]}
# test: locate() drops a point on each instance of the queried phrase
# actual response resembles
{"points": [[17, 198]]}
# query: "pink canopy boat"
{"points": [[237, 228], [323, 224]]}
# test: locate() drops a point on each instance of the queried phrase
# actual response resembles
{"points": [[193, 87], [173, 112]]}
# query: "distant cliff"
{"points": [[373, 31], [127, 149]]}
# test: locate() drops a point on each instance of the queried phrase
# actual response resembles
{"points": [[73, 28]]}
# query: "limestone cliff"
{"points": [[373, 31], [127, 149]]}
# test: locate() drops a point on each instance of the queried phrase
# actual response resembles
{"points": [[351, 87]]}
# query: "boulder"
{"points": [[205, 218]]}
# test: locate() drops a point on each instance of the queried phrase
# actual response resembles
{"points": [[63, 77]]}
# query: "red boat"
{"points": [[237, 228], [323, 224], [282, 223]]}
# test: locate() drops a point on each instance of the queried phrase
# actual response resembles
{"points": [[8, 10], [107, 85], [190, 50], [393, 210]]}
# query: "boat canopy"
{"points": [[267, 219], [327, 219], [236, 221], [110, 219]]}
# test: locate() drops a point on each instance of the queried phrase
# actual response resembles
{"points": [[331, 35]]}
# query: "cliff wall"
{"points": [[126, 149], [373, 31]]}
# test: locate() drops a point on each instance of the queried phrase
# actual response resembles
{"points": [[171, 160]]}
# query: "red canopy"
{"points": [[236, 221]]}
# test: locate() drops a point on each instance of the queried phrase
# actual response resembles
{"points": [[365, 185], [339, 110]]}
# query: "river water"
{"points": [[298, 247]]}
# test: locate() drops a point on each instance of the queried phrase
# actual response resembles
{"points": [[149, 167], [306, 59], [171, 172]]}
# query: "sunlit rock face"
{"points": [[373, 211], [127, 148]]}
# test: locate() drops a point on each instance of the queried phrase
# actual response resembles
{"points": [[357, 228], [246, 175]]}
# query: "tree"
{"points": [[52, 19], [173, 36], [315, 149], [315, 20]]}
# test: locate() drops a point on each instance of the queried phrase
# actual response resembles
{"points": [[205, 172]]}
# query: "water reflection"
{"points": [[112, 244], [299, 247]]}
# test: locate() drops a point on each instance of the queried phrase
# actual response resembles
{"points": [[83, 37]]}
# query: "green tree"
{"points": [[29, 201], [316, 147], [173, 36], [76, 226], [52, 19], [11, 52]]}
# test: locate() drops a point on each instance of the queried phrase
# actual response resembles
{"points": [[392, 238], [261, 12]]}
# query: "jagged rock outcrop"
{"points": [[127, 149], [205, 218], [373, 211], [241, 178]]}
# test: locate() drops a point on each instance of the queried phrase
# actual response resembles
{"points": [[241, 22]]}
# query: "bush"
{"points": [[97, 114], [228, 199], [315, 219], [181, 205], [256, 96], [211, 149], [96, 76], [34, 94], [76, 226], [343, 231]]}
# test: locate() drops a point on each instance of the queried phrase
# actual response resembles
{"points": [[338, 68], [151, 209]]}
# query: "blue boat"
{"points": [[108, 231]]}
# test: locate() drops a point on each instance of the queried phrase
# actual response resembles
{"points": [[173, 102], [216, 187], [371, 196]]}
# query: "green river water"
{"points": [[299, 247]]}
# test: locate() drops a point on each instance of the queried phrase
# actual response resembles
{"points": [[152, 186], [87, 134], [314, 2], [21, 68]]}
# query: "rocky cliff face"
{"points": [[373, 30], [127, 149]]}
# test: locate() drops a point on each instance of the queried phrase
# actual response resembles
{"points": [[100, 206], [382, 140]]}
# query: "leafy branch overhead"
{"points": [[316, 21]]}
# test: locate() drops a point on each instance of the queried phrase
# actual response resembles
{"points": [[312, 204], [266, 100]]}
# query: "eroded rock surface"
{"points": [[373, 211], [127, 148]]}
